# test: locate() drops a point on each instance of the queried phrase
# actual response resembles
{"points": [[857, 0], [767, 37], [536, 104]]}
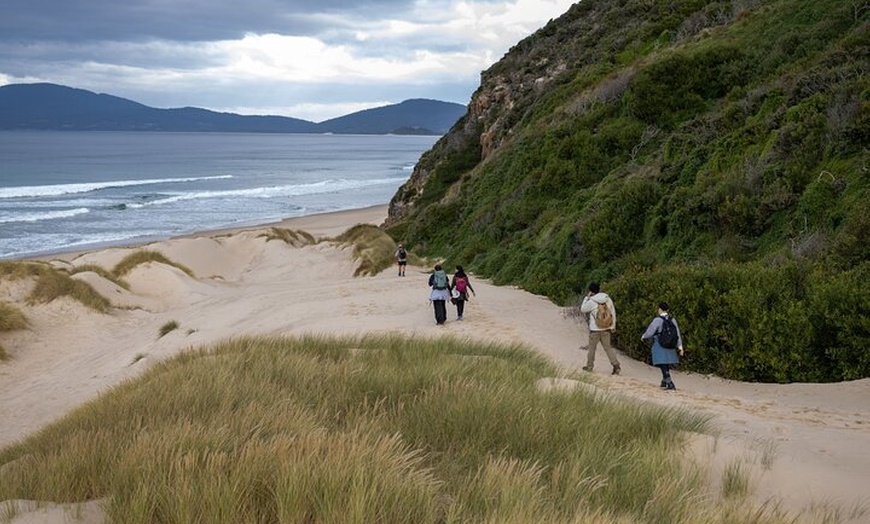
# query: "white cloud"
{"points": [[353, 64]]}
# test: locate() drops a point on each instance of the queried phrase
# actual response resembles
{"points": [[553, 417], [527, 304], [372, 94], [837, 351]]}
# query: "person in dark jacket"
{"points": [[662, 357], [461, 285]]}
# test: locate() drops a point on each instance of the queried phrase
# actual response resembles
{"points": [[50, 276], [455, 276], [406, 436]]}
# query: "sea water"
{"points": [[65, 191]]}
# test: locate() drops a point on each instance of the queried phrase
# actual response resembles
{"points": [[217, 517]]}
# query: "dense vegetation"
{"points": [[711, 153]]}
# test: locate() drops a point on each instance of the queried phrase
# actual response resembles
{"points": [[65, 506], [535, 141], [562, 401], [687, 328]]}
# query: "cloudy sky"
{"points": [[310, 59]]}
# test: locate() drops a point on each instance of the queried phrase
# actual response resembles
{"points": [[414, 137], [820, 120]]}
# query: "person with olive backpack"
{"points": [[601, 314]]}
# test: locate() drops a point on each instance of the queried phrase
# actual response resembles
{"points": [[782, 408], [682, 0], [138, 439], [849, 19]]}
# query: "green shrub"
{"points": [[794, 322]]}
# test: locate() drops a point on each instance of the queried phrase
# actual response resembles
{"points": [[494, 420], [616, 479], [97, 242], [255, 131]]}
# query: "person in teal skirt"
{"points": [[664, 357]]}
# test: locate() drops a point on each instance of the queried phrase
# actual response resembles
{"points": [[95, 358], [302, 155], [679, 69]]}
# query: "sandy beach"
{"points": [[817, 434]]}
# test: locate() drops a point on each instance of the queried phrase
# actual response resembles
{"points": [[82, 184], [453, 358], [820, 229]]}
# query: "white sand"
{"points": [[807, 445]]}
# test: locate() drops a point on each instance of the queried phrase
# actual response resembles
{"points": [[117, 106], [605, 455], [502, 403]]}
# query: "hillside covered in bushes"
{"points": [[711, 153]]}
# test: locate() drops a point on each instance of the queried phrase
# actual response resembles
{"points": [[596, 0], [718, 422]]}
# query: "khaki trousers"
{"points": [[594, 338]]}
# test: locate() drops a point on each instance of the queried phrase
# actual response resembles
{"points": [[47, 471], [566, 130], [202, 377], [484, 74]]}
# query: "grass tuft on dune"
{"points": [[378, 428], [143, 256]]}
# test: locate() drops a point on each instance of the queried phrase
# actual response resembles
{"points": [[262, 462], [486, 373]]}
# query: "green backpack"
{"points": [[440, 281]]}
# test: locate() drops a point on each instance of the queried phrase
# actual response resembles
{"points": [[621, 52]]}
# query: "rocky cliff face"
{"points": [[506, 91]]}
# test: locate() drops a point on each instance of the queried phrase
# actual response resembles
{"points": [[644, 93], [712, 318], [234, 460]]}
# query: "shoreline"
{"points": [[322, 224]]}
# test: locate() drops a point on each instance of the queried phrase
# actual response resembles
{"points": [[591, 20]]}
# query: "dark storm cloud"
{"points": [[182, 20]]}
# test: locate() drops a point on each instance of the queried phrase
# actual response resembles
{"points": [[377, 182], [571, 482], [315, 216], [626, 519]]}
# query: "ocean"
{"points": [[69, 191]]}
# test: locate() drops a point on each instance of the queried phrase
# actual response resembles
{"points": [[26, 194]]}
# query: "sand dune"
{"points": [[807, 444]]}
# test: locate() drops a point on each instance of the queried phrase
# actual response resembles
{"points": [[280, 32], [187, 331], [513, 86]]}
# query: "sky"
{"points": [[309, 59]]}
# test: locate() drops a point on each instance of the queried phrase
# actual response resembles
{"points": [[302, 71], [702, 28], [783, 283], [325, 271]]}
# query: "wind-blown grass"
{"points": [[108, 275], [168, 327], [141, 257], [53, 284], [293, 237], [11, 318], [363, 430], [372, 248]]}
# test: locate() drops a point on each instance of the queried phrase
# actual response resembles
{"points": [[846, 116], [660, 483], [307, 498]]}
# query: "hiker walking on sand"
{"points": [[601, 314], [461, 286], [440, 293], [401, 259], [667, 341]]}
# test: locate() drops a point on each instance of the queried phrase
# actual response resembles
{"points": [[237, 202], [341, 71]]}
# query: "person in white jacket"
{"points": [[599, 329]]}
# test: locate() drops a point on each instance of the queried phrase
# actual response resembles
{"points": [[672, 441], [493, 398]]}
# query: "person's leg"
{"points": [[594, 337], [440, 311], [667, 382], [460, 308], [611, 353]]}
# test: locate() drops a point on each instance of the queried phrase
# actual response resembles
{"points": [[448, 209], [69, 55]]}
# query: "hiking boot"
{"points": [[616, 370], [663, 384], [670, 387], [587, 368]]}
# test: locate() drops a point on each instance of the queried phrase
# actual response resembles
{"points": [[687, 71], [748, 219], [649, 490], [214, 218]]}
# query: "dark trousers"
{"points": [[666, 373], [440, 311]]}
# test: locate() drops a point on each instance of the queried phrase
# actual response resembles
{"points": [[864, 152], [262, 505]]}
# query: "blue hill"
{"points": [[54, 107]]}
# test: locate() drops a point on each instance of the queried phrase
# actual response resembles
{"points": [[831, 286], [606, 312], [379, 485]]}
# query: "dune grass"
{"points": [[168, 327], [100, 270], [143, 256], [370, 429], [11, 318], [51, 283], [373, 249], [293, 237]]}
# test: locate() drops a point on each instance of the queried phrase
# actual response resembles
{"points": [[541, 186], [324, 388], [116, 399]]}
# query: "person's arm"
{"points": [[652, 329], [432, 280], [679, 336], [588, 305], [468, 283]]}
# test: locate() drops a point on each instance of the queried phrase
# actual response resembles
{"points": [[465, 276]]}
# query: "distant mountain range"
{"points": [[55, 107]]}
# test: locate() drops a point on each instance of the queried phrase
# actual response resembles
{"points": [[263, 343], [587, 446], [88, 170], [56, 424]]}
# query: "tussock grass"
{"points": [[11, 318], [361, 430], [168, 327], [108, 275], [293, 237], [16, 270], [53, 284], [372, 248], [141, 257]]}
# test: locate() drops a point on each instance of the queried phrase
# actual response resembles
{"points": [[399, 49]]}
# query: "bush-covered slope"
{"points": [[713, 154]]}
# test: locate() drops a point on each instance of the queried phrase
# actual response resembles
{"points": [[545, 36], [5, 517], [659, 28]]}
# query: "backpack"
{"points": [[402, 254], [668, 335], [440, 281], [603, 317], [461, 284]]}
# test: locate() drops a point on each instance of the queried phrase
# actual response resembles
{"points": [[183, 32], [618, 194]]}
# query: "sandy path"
{"points": [[819, 433]]}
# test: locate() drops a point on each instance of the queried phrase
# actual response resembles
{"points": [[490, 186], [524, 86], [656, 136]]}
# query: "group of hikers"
{"points": [[597, 307], [663, 331]]}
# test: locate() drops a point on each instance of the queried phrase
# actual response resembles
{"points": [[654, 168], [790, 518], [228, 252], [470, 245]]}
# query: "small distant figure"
{"points": [[601, 314], [461, 286], [667, 342], [440, 293], [402, 258]]}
